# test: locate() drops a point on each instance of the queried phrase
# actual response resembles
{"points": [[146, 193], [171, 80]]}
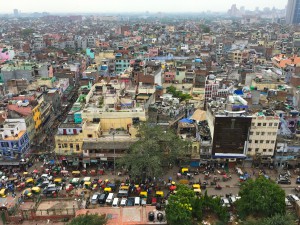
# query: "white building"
{"points": [[263, 134]]}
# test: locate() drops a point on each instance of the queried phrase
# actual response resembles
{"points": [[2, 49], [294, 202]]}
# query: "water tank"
{"points": [[160, 217], [151, 216]]}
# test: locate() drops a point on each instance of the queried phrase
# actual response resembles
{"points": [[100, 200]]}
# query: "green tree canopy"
{"points": [[90, 219], [179, 208], [261, 197], [178, 94], [277, 219], [154, 150]]}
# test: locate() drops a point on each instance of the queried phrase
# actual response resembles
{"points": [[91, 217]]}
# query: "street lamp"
{"points": [[113, 132]]}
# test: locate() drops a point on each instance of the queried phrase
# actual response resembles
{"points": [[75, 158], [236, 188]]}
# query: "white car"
{"points": [[225, 202], [123, 202], [4, 178]]}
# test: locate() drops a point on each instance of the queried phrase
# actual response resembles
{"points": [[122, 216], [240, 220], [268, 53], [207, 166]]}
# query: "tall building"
{"points": [[293, 12], [16, 12]]}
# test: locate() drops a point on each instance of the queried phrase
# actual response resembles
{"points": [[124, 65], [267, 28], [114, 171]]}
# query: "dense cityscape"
{"points": [[150, 117]]}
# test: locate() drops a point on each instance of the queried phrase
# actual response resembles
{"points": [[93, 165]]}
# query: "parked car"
{"points": [[102, 198], [95, 198], [123, 202], [225, 202], [130, 202], [116, 202], [288, 203], [298, 180], [283, 181]]}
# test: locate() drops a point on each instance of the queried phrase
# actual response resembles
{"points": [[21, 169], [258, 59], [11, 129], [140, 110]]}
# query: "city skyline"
{"points": [[76, 6]]}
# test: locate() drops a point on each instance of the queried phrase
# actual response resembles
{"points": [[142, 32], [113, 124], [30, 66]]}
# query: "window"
{"points": [[77, 147], [256, 141], [249, 149], [71, 145], [59, 145], [264, 150], [264, 124], [251, 133], [261, 141], [250, 141], [272, 142], [274, 133], [257, 133], [269, 133], [262, 133], [259, 124], [65, 145], [270, 150], [267, 142], [4, 144], [270, 124], [90, 135], [252, 124], [275, 124], [256, 149]]}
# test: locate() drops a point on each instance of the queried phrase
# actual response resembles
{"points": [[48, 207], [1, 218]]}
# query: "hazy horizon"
{"points": [[94, 6]]}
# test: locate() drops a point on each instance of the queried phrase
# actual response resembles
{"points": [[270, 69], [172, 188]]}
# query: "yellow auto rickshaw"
{"points": [[159, 194], [36, 190], [107, 189], [124, 187], [27, 193], [58, 181], [196, 186], [87, 184], [25, 174], [3, 193], [143, 194], [197, 191], [184, 170], [29, 182], [76, 173]]}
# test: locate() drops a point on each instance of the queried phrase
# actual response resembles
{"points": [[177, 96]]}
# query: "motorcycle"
{"points": [[218, 187]]}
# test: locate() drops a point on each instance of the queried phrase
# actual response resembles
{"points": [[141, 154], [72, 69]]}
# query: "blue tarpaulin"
{"points": [[238, 92], [186, 120]]}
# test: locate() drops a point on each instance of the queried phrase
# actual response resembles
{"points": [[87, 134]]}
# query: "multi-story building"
{"points": [[293, 12], [263, 134], [14, 140]]}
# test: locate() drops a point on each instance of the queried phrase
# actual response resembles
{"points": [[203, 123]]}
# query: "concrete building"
{"points": [[14, 140], [263, 134], [293, 12]]}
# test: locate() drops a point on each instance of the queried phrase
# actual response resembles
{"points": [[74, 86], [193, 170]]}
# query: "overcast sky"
{"points": [[133, 5]]}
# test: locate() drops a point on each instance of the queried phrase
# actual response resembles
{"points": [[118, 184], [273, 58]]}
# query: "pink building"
{"points": [[169, 77]]}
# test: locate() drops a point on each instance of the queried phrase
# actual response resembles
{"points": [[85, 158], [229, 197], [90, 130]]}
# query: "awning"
{"points": [[103, 159], [94, 160], [75, 163]]}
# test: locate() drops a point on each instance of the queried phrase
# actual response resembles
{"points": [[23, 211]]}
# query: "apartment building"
{"points": [[263, 134]]}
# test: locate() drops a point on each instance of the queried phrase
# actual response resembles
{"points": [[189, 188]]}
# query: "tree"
{"points": [[277, 219], [260, 197], [154, 150], [179, 208], [178, 94], [90, 219]]}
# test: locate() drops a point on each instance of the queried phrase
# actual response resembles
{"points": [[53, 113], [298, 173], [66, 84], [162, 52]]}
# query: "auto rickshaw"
{"points": [[76, 173], [101, 171], [93, 172], [196, 186], [95, 187], [75, 181], [3, 193], [26, 174], [124, 187], [69, 187], [84, 172], [184, 170], [197, 191], [107, 190], [58, 181], [64, 173], [27, 193], [36, 190], [29, 182], [143, 194], [21, 186], [87, 184], [159, 194]]}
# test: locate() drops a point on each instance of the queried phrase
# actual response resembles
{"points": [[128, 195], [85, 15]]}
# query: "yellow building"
{"points": [[37, 116]]}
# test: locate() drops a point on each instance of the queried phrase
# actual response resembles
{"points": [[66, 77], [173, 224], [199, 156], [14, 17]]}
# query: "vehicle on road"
{"points": [[95, 198]]}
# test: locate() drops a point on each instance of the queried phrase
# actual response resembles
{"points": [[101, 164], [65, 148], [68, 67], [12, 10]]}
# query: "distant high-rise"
{"points": [[16, 12], [293, 12]]}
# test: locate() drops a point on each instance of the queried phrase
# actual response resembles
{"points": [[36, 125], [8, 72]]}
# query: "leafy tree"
{"points": [[179, 208], [26, 32], [90, 219], [178, 94], [261, 197], [277, 219], [155, 149]]}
